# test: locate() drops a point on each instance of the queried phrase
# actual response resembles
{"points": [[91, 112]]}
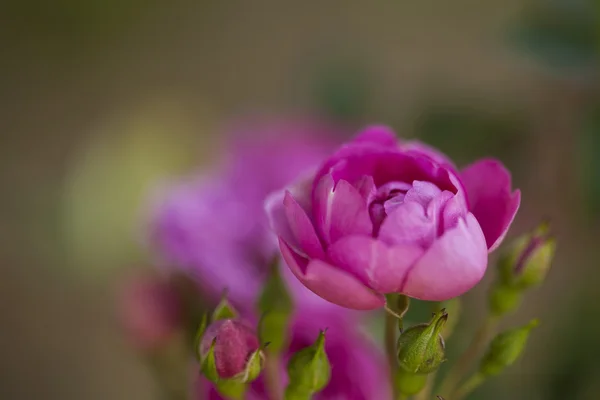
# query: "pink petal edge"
{"points": [[331, 283]]}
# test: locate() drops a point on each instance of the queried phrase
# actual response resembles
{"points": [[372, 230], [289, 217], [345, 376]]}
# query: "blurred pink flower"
{"points": [[358, 368], [381, 216], [213, 226], [150, 311]]}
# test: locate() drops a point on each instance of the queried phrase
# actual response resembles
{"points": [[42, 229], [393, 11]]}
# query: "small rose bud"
{"points": [[528, 260], [229, 349], [421, 347], [505, 349], [309, 371]]}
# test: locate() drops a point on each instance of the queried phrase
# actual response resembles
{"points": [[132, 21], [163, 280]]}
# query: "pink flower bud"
{"points": [[234, 343]]}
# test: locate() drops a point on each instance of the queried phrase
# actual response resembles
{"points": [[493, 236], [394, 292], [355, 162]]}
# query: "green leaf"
{"points": [[224, 310], [275, 305], [275, 295], [273, 329]]}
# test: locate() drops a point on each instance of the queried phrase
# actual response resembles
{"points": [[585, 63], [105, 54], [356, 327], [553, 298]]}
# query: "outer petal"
{"points": [[340, 210], [380, 267], [377, 134], [453, 264], [302, 228], [331, 283], [433, 153], [488, 186]]}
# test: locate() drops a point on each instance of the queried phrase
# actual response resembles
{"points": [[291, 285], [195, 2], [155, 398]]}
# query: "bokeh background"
{"points": [[103, 100]]}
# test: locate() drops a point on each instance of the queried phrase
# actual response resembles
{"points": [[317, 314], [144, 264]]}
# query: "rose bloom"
{"points": [[358, 367], [212, 227], [381, 216]]}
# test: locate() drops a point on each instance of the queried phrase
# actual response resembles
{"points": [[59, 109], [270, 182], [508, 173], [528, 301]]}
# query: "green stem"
{"points": [[273, 376], [401, 396], [396, 307], [466, 388], [466, 360], [390, 348]]}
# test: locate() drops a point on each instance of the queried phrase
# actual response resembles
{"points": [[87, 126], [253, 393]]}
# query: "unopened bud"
{"points": [[528, 260], [229, 350], [421, 348], [309, 371], [505, 349]]}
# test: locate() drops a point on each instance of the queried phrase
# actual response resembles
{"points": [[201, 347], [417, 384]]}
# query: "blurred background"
{"points": [[103, 100]]}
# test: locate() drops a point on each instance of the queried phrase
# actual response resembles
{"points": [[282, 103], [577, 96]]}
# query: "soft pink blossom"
{"points": [[381, 216]]}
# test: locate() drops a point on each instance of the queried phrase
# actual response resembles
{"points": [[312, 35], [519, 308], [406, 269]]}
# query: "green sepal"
{"points": [[198, 337], [231, 389], [254, 367], [224, 310], [309, 371], [208, 366], [505, 349]]}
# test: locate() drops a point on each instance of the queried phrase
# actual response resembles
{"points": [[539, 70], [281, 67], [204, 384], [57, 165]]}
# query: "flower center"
{"points": [[388, 197]]}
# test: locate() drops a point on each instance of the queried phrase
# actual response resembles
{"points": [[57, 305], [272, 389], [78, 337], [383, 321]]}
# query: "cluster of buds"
{"points": [[522, 266]]}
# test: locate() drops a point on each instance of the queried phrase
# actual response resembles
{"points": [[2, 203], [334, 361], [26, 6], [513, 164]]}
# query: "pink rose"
{"points": [[380, 216]]}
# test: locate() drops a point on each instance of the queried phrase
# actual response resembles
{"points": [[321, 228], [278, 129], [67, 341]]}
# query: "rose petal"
{"points": [[408, 225], [340, 211], [352, 162], [431, 152], [302, 228], [278, 220], [377, 134], [331, 283], [488, 186], [422, 193], [453, 264], [366, 187], [378, 266]]}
